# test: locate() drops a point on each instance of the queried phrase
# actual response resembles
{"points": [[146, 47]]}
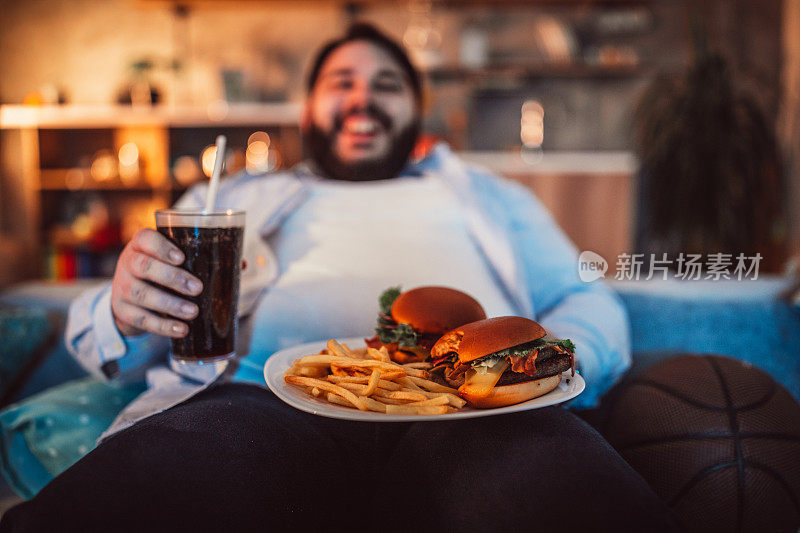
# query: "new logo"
{"points": [[591, 266]]}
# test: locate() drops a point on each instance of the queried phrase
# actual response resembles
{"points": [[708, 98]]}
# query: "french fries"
{"points": [[402, 395], [424, 366], [432, 385], [330, 387], [372, 386], [382, 383], [379, 355], [416, 409], [415, 372], [347, 362], [368, 380]]}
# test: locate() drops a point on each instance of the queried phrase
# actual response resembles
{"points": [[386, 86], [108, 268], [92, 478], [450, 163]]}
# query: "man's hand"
{"points": [[150, 258]]}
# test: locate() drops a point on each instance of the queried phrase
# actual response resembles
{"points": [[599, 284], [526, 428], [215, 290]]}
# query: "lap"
{"points": [[237, 457]]}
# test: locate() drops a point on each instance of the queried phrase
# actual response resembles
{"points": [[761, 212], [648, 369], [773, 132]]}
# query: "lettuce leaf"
{"points": [[402, 334], [387, 298], [524, 349]]}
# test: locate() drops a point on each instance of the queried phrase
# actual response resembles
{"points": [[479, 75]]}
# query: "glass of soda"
{"points": [[212, 244]]}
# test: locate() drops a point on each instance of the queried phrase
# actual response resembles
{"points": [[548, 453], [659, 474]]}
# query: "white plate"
{"points": [[280, 362]]}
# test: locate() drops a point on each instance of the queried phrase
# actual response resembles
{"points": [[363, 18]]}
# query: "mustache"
{"points": [[371, 110], [318, 145]]}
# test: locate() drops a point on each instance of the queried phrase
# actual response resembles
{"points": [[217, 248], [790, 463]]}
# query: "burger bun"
{"points": [[436, 309], [477, 339], [511, 394]]}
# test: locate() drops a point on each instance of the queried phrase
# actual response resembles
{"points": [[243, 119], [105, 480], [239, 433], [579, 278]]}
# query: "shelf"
{"points": [[557, 162], [445, 74], [55, 179], [113, 116], [106, 189]]}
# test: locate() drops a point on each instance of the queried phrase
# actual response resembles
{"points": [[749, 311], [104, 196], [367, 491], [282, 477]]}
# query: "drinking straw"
{"points": [[213, 186]]}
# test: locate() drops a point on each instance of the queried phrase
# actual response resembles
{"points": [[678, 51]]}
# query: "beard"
{"points": [[320, 147]]}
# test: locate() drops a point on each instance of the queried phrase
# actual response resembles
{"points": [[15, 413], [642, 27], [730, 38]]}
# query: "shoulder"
{"points": [[244, 183], [478, 180], [243, 189]]}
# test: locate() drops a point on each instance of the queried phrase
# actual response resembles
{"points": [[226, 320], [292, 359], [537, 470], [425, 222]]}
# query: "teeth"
{"points": [[360, 126]]}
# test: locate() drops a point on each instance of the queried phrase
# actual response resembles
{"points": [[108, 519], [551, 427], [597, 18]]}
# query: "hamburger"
{"points": [[410, 323], [501, 361]]}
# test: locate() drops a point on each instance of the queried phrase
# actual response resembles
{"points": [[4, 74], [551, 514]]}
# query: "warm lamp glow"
{"points": [[257, 157], [128, 154], [129, 164], [532, 124], [75, 179], [82, 227], [186, 170], [207, 159], [262, 136], [104, 166]]}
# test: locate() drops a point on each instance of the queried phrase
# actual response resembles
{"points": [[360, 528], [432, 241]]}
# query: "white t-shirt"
{"points": [[349, 241]]}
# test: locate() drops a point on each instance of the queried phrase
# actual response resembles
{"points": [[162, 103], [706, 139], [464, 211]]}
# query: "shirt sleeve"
{"points": [[95, 342], [588, 313]]}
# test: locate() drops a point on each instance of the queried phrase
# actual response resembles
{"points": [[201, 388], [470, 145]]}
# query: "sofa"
{"points": [[56, 413]]}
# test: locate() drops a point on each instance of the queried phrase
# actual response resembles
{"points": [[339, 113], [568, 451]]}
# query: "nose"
{"points": [[359, 96]]}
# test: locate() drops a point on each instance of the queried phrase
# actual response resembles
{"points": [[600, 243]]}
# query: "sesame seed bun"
{"points": [[436, 309]]}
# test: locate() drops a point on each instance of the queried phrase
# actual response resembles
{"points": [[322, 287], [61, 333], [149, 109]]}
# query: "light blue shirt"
{"points": [[344, 243], [530, 257]]}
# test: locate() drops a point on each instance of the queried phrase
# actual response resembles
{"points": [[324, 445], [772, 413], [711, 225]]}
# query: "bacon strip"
{"points": [[525, 364], [457, 370], [374, 342]]}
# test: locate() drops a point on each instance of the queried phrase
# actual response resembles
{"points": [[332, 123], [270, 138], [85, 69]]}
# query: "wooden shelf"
{"points": [[94, 188], [46, 150], [444, 74], [55, 179], [115, 116]]}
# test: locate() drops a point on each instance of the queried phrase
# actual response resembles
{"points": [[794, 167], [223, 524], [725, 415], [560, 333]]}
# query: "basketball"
{"points": [[716, 438]]}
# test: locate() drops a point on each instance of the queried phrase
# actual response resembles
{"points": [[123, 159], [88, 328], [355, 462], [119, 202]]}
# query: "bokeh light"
{"points": [[257, 157], [186, 170], [207, 158], [104, 166], [532, 124], [262, 136], [128, 154], [75, 179], [129, 163]]}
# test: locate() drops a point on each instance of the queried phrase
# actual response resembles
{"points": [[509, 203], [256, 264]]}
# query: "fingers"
{"points": [[144, 266], [156, 245], [152, 257], [145, 295], [144, 320]]}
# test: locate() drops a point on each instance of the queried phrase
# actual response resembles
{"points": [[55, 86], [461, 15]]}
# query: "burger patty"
{"points": [[555, 364]]}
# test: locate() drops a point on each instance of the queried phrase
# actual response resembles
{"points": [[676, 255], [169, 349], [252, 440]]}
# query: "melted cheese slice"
{"points": [[479, 384]]}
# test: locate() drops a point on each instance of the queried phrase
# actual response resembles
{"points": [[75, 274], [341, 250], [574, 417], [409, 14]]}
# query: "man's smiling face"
{"points": [[361, 119]]}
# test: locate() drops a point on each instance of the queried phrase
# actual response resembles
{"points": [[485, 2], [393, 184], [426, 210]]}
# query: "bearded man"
{"points": [[322, 240]]}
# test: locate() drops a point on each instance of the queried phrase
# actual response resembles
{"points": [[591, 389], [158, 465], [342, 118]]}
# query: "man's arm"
{"points": [[95, 342], [589, 314], [94, 337]]}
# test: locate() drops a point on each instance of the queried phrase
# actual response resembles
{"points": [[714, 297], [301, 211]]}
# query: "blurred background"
{"points": [[644, 126]]}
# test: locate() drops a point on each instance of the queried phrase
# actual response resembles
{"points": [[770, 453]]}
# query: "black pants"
{"points": [[236, 458]]}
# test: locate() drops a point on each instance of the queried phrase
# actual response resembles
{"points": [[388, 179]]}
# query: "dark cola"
{"points": [[214, 255]]}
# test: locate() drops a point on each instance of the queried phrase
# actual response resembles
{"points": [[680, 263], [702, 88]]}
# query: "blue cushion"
{"points": [[47, 433], [22, 330], [744, 320]]}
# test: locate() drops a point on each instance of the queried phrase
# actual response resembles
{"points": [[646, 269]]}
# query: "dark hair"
{"points": [[361, 31]]}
